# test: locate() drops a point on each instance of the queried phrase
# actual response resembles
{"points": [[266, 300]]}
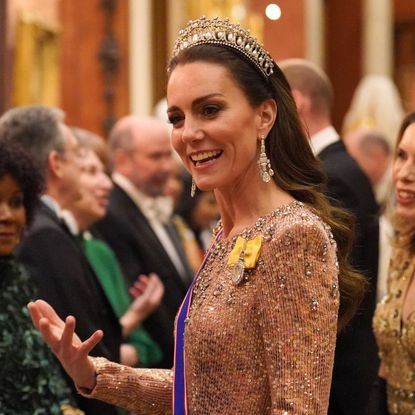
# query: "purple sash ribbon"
{"points": [[179, 383]]}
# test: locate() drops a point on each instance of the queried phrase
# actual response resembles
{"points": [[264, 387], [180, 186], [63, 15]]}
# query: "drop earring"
{"points": [[193, 188], [264, 163]]}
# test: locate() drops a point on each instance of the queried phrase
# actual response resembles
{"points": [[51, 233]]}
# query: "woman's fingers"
{"points": [[41, 309], [155, 282], [35, 314], [138, 288], [67, 338], [159, 290], [142, 278], [67, 344], [61, 338], [153, 276], [135, 292], [157, 287], [147, 292], [48, 336], [48, 311], [90, 343]]}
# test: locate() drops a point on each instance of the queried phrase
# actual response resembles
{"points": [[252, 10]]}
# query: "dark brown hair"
{"points": [[406, 122], [404, 238], [296, 169]]}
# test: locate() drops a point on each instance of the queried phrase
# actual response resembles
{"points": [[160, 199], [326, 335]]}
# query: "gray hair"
{"points": [[371, 139], [37, 128]]}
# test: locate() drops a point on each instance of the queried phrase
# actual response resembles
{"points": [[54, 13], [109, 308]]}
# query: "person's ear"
{"points": [[301, 101], [123, 163], [267, 114], [120, 158], [55, 164]]}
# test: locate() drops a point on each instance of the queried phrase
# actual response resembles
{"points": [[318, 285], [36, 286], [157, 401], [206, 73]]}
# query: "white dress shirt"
{"points": [[52, 204], [323, 139], [158, 211]]}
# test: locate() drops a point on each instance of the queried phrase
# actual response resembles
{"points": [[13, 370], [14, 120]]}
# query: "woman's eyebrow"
{"points": [[196, 102]]}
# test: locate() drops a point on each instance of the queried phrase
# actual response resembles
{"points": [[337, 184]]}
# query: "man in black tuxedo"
{"points": [[138, 224], [356, 363], [53, 256]]}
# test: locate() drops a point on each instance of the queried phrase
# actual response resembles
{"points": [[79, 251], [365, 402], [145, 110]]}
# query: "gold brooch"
{"points": [[70, 410]]}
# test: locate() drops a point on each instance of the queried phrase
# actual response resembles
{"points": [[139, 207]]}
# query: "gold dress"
{"points": [[396, 338], [263, 346]]}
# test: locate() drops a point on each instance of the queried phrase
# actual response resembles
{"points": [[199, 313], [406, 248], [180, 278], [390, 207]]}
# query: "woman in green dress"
{"points": [[32, 382], [139, 349]]}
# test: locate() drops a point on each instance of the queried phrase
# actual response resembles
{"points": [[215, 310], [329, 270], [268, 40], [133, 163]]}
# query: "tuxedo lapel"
{"points": [[46, 210], [175, 238], [130, 212], [93, 283], [138, 221]]}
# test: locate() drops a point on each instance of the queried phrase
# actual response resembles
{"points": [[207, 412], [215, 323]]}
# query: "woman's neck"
{"points": [[240, 208]]}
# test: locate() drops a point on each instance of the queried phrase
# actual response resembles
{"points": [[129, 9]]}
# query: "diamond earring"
{"points": [[264, 163], [193, 188]]}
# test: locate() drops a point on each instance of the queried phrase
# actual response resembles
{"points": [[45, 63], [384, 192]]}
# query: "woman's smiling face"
{"points": [[404, 175], [95, 187], [215, 128], [12, 214]]}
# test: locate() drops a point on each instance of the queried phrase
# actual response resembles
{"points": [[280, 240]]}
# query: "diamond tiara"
{"points": [[222, 32]]}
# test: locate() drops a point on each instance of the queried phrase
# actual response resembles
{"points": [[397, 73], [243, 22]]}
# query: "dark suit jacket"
{"points": [[65, 279], [356, 362], [139, 251]]}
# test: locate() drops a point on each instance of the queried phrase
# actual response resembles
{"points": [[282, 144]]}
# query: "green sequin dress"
{"points": [[31, 380]]}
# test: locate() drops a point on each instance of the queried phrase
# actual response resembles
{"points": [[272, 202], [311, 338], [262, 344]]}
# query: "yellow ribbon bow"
{"points": [[249, 249], [70, 410]]}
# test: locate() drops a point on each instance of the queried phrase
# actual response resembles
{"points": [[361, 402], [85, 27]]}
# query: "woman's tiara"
{"points": [[221, 32]]}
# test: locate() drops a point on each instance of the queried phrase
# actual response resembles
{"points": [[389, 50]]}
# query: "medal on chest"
{"points": [[244, 255]]}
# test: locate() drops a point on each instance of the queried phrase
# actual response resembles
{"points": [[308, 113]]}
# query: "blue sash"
{"points": [[179, 384]]}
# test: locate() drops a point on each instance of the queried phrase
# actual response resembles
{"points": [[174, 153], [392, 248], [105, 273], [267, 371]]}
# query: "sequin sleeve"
{"points": [[297, 310], [142, 391]]}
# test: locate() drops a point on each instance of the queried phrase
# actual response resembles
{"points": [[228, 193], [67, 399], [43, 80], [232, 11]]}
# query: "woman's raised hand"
{"points": [[60, 336], [147, 291]]}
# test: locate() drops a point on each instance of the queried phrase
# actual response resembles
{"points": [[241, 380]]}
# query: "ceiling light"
{"points": [[273, 11]]}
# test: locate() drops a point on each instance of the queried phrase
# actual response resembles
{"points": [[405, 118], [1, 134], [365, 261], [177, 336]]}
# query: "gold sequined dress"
{"points": [[396, 337], [264, 346]]}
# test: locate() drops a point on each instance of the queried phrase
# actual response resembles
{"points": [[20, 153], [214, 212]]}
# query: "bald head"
{"points": [[311, 81], [368, 139], [371, 150], [134, 130], [142, 152]]}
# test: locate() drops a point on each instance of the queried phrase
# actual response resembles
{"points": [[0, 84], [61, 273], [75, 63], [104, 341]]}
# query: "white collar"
{"points": [[63, 214], [52, 204], [323, 139], [69, 218], [158, 208]]}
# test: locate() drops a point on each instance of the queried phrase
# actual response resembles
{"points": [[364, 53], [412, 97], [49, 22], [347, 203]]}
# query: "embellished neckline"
{"points": [[400, 275], [249, 231], [265, 226]]}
